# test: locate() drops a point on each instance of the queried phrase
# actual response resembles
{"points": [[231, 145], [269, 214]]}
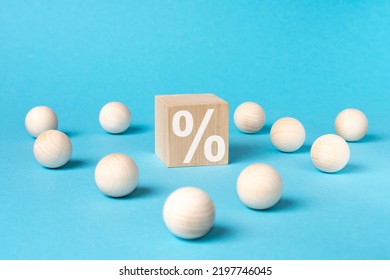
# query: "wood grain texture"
{"points": [[189, 213], [173, 149], [116, 175], [287, 134], [115, 117], [351, 124], [249, 117], [52, 149], [40, 119], [259, 186], [330, 153]]}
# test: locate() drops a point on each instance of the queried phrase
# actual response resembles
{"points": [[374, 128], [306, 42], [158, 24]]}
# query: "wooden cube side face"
{"points": [[193, 134], [161, 130]]}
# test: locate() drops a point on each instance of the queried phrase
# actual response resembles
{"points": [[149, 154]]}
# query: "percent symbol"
{"points": [[188, 129]]}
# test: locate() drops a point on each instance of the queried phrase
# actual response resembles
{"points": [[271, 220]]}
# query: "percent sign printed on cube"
{"points": [[191, 129]]}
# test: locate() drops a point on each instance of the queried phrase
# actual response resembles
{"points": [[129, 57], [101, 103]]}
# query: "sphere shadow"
{"points": [[77, 164], [284, 204], [135, 129], [265, 130], [305, 149], [370, 138], [351, 168], [139, 193], [217, 233], [71, 133]]}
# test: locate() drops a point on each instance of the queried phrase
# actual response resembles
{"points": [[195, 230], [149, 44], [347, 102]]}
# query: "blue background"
{"points": [[306, 59]]}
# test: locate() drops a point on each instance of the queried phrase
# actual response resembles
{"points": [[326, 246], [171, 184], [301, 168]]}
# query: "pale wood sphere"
{"points": [[40, 119], [287, 134], [351, 124], [52, 149], [330, 153], [259, 186], [249, 117], [116, 175], [189, 213], [115, 117]]}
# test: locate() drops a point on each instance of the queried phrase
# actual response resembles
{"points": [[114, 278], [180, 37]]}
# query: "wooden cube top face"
{"points": [[190, 99], [172, 149]]}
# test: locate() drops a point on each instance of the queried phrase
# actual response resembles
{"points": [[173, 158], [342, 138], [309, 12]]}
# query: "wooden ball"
{"points": [[330, 153], [287, 134], [259, 186], [40, 119], [115, 117], [249, 117], [351, 124], [189, 213], [116, 175], [52, 148]]}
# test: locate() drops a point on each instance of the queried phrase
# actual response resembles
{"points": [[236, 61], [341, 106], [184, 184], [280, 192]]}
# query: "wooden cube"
{"points": [[191, 129]]}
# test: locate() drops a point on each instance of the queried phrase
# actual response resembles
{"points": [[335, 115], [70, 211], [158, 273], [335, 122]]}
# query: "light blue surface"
{"points": [[304, 59]]}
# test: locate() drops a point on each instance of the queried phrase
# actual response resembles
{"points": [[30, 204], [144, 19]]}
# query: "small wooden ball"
{"points": [[52, 149], [351, 124], [40, 119], [115, 117], [189, 213], [259, 186], [249, 117], [330, 153], [116, 175], [287, 134]]}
